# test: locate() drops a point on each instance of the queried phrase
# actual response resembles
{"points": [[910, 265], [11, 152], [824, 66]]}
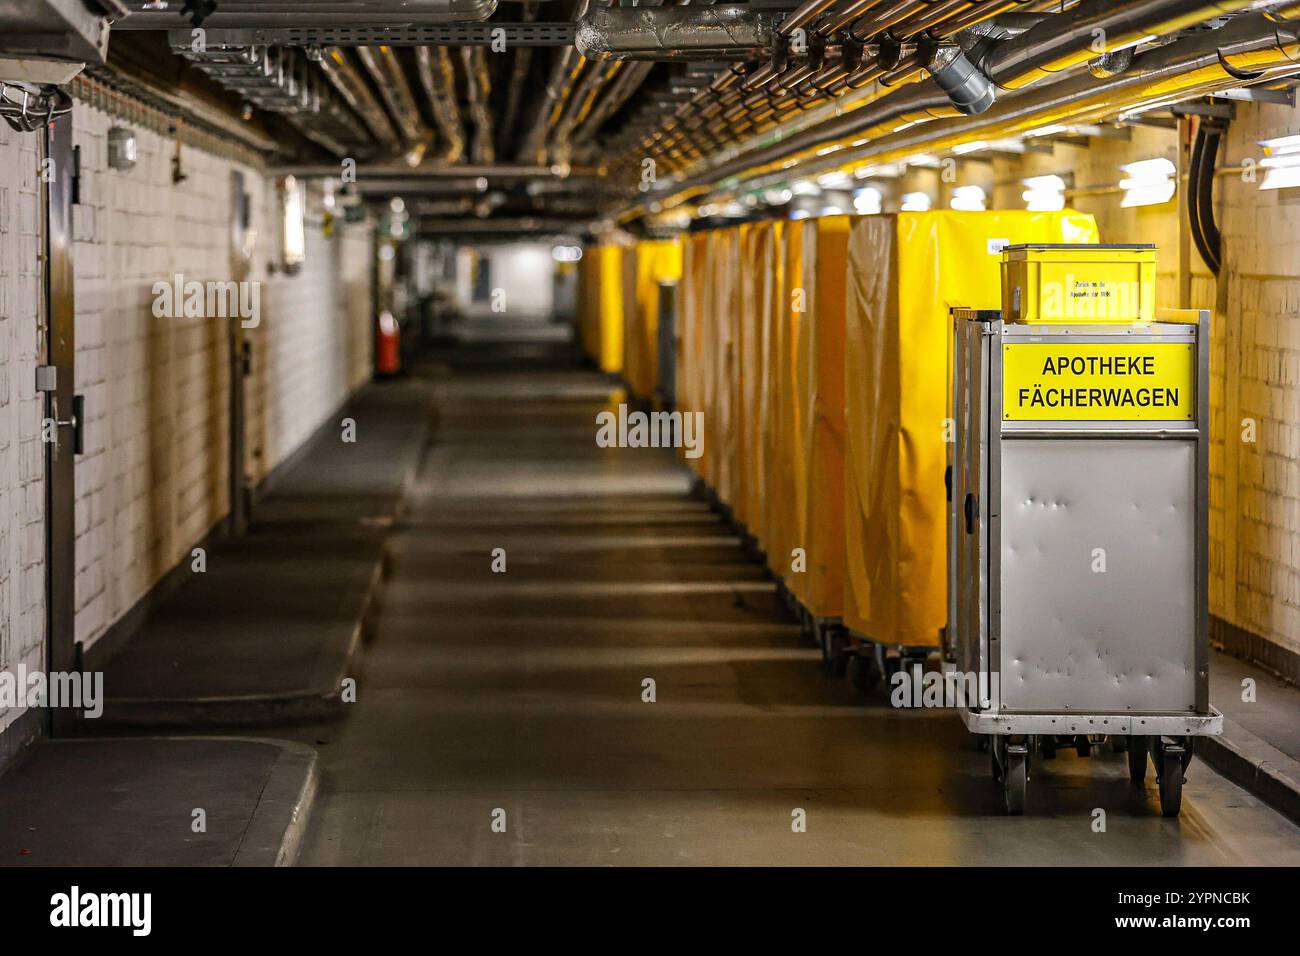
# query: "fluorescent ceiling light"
{"points": [[839, 180], [1044, 193], [915, 202], [1281, 163], [1148, 182], [867, 201], [968, 198]]}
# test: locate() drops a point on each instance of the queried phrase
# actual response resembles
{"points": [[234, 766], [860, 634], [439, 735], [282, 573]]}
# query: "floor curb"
{"points": [[275, 833], [323, 698], [1256, 766]]}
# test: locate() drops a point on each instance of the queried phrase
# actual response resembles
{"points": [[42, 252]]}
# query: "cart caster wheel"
{"points": [[1082, 747], [1047, 747], [1137, 760], [835, 654], [993, 763], [1118, 744], [1015, 782], [862, 673], [1170, 766], [982, 743]]}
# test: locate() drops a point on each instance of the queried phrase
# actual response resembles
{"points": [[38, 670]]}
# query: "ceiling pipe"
{"points": [[438, 77], [352, 87], [674, 33], [1094, 27], [478, 87], [520, 64], [580, 106], [1032, 48], [381, 63], [564, 73], [1249, 49]]}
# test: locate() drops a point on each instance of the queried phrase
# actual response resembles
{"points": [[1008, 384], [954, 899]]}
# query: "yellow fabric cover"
{"points": [[819, 378], [768, 407], [654, 261], [725, 315], [600, 306], [905, 272], [786, 469], [748, 334], [690, 353]]}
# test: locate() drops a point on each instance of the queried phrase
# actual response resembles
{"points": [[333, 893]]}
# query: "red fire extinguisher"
{"points": [[388, 350]]}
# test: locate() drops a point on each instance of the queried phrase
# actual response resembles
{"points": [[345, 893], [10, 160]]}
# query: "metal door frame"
{"points": [[59, 308]]}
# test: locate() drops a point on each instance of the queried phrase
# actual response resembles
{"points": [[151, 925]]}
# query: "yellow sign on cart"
{"points": [[1098, 381]]}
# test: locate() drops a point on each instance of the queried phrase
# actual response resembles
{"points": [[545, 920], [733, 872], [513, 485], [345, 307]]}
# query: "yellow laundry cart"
{"points": [[819, 452], [905, 273], [652, 262], [600, 306]]}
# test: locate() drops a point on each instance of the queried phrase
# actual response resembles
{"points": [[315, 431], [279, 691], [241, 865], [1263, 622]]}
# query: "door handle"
{"points": [[76, 422], [972, 508]]}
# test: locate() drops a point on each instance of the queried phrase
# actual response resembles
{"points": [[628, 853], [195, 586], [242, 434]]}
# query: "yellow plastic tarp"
{"points": [[905, 273], [600, 306], [720, 427], [773, 264], [690, 339], [652, 261], [819, 381], [749, 329]]}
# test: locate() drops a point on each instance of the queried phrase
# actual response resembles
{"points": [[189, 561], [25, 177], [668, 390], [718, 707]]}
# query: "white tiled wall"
{"points": [[22, 488], [152, 481]]}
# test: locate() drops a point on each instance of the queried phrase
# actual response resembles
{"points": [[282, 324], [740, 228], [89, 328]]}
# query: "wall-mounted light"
{"points": [[1281, 163], [868, 201], [1148, 182], [1044, 193], [293, 208], [122, 148], [969, 199], [566, 253], [915, 202]]}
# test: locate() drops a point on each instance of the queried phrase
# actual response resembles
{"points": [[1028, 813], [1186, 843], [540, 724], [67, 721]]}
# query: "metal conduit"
{"points": [[478, 87], [1250, 48], [438, 77], [352, 87]]}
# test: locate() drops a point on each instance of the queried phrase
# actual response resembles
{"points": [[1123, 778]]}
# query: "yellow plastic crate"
{"points": [[1069, 283]]}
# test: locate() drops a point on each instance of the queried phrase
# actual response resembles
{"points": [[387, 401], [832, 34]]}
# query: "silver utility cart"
{"points": [[1078, 524]]}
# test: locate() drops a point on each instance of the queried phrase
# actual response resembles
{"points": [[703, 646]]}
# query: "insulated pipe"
{"points": [[1093, 27], [580, 105], [478, 87], [352, 87], [438, 77], [564, 74], [673, 33], [628, 82], [381, 62], [804, 14], [1249, 47]]}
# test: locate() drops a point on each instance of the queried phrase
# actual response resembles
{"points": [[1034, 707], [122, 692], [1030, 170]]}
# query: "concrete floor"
{"points": [[522, 691]]}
